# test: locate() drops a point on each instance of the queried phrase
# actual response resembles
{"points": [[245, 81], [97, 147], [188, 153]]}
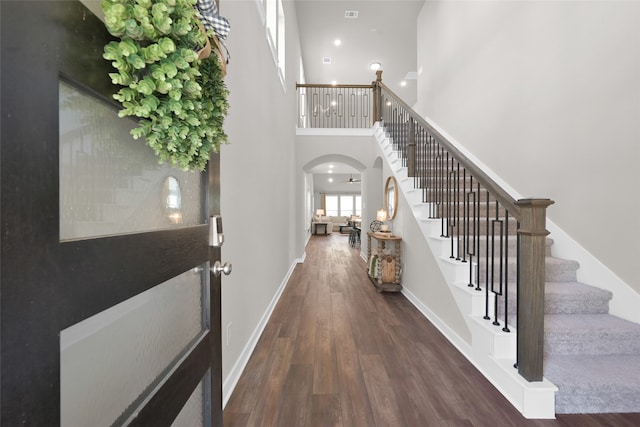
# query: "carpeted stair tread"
{"points": [[575, 298], [556, 269], [595, 384], [567, 298], [560, 270], [590, 334]]}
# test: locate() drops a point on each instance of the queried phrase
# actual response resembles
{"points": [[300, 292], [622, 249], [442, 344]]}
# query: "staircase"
{"points": [[592, 357]]}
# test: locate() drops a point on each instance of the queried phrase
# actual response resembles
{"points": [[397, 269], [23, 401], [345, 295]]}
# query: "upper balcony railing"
{"points": [[500, 239], [335, 106]]}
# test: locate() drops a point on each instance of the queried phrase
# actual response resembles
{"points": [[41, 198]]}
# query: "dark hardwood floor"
{"points": [[338, 353]]}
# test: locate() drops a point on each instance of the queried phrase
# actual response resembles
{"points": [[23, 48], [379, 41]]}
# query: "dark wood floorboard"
{"points": [[338, 353]]}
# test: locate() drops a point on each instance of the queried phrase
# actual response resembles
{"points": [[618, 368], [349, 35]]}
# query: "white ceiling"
{"points": [[335, 168], [339, 185], [385, 32]]}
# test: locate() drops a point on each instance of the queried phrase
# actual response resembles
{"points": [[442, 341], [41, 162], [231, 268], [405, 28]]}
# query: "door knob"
{"points": [[219, 268]]}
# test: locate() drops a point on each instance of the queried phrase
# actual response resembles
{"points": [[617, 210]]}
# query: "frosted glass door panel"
{"points": [[110, 360], [111, 183], [192, 414]]}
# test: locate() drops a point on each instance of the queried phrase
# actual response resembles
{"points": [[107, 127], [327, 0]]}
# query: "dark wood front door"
{"points": [[71, 300]]}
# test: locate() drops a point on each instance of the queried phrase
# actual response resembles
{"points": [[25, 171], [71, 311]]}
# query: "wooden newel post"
{"points": [[377, 98], [532, 233]]}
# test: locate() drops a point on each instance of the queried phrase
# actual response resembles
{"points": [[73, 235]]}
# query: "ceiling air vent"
{"points": [[353, 14], [326, 60]]}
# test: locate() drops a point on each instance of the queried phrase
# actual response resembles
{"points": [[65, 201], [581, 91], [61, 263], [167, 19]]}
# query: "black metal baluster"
{"points": [[477, 231], [465, 215], [419, 155], [471, 197], [430, 177], [451, 222], [486, 260], [445, 195], [440, 191], [515, 365], [427, 184], [506, 273], [457, 211], [498, 293]]}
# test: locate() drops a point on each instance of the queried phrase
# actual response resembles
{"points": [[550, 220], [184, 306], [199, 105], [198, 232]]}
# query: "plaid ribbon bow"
{"points": [[208, 14]]}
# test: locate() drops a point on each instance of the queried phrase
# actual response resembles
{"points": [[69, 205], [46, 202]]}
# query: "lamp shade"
{"points": [[319, 212], [381, 215]]}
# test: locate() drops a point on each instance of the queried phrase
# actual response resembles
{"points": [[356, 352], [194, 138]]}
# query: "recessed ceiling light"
{"points": [[333, 82], [330, 171], [330, 179], [330, 166], [403, 83], [375, 66], [337, 42]]}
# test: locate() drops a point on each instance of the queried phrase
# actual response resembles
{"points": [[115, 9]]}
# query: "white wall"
{"points": [[547, 94], [258, 189], [422, 280]]}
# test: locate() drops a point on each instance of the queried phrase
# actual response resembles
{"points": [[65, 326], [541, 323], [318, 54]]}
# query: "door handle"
{"points": [[219, 268]]}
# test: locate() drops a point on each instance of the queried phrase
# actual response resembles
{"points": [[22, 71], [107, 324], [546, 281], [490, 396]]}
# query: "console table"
{"points": [[322, 225], [382, 277]]}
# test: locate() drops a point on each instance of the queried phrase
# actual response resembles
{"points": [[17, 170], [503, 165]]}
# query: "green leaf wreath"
{"points": [[180, 99]]}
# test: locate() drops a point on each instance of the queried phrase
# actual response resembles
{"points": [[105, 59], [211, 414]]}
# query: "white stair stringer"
{"points": [[492, 351]]}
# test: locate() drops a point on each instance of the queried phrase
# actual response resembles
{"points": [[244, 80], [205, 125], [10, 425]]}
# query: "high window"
{"points": [[275, 24], [280, 40]]}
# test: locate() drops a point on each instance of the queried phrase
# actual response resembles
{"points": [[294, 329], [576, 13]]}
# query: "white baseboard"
{"points": [[462, 346], [229, 383], [533, 400]]}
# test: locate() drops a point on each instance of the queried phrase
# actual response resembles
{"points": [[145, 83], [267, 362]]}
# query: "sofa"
{"points": [[334, 222]]}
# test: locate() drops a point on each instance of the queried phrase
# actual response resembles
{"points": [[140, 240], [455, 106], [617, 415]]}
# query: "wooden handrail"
{"points": [[336, 86], [505, 198]]}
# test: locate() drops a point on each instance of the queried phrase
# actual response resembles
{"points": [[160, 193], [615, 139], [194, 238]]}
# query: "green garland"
{"points": [[180, 99]]}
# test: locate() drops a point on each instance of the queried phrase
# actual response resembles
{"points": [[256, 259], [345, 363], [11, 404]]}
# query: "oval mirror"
{"points": [[391, 197]]}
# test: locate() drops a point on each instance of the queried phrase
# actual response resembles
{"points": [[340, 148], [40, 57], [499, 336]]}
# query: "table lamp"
{"points": [[382, 216]]}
